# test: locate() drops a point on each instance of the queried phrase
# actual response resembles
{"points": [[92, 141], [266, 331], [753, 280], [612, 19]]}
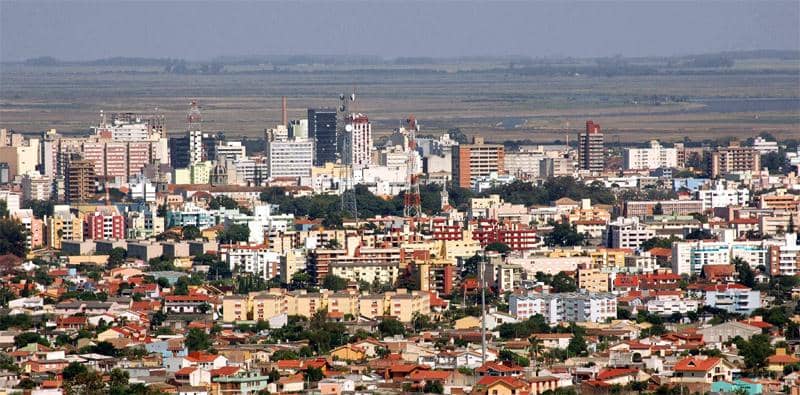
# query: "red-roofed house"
{"points": [[193, 376], [503, 385], [621, 376], [702, 370], [205, 360], [498, 369]]}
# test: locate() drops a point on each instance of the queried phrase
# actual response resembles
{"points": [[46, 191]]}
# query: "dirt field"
{"points": [[498, 105]]}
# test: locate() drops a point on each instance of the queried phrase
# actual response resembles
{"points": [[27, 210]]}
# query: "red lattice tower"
{"points": [[412, 202]]}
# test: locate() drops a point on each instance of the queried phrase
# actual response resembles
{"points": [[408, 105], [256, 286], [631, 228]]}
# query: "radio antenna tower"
{"points": [[412, 202], [343, 128]]}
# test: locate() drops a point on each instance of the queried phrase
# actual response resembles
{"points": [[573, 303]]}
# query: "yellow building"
{"points": [[608, 258], [201, 172], [349, 353], [266, 306], [181, 176], [467, 322], [403, 306], [343, 302], [592, 280], [780, 360], [235, 308], [63, 227]]}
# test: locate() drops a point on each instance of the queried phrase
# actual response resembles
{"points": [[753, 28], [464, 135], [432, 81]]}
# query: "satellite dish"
{"points": [[348, 127]]}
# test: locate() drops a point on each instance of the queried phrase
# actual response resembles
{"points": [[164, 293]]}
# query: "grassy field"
{"points": [[499, 104]]}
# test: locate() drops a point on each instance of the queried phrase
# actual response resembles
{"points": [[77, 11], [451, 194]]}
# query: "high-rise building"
{"points": [[105, 223], [472, 161], [653, 157], [590, 148], [322, 130], [733, 159], [80, 180], [36, 186], [179, 152], [357, 141], [290, 158]]}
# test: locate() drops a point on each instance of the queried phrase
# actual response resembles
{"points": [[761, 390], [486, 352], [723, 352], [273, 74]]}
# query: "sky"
{"points": [[72, 30]]}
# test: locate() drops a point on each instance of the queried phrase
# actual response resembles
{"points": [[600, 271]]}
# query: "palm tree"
{"points": [[535, 349]]}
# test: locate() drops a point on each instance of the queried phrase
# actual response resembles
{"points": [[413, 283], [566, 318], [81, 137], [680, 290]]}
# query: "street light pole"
{"points": [[483, 308]]}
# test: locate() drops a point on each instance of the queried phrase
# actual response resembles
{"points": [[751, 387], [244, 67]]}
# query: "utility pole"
{"points": [[483, 308]]}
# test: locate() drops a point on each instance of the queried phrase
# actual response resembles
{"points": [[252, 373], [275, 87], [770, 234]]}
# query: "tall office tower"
{"points": [[590, 148], [195, 133], [322, 131], [357, 141], [290, 158], [471, 161], [80, 180]]}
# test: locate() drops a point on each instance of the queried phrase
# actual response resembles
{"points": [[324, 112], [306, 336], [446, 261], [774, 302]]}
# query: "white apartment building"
{"points": [[290, 158], [195, 146], [689, 257], [36, 186], [733, 298], [256, 259], [665, 305], [723, 196], [523, 164], [504, 276], [627, 233], [229, 150], [765, 146], [357, 145], [654, 157], [784, 258], [565, 307]]}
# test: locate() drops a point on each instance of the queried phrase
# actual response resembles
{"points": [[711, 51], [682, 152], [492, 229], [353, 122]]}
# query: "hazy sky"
{"points": [[201, 30]]}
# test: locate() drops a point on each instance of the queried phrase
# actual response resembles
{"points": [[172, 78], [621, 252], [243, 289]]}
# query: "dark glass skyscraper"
{"points": [[322, 129]]}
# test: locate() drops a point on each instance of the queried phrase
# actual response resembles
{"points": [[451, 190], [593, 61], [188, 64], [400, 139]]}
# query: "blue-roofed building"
{"points": [[746, 385]]}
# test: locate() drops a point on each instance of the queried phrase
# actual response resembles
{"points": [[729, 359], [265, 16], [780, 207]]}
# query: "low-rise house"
{"points": [[702, 370], [727, 331], [193, 376], [780, 360]]}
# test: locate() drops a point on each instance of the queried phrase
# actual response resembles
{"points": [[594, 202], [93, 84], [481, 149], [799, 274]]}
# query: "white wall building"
{"points": [[565, 307], [290, 158], [723, 196], [654, 157]]}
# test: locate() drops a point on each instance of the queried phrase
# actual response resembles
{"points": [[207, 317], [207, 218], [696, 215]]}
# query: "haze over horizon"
{"points": [[204, 30]]}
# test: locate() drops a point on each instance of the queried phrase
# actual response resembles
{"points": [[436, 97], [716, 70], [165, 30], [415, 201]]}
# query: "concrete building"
{"points": [[733, 298], [654, 157], [471, 161], [290, 158], [63, 225], [356, 145], [784, 259], [36, 187], [591, 151], [104, 223], [592, 280], [256, 259], [80, 181], [627, 233], [229, 150], [565, 307], [666, 305], [733, 159], [666, 207], [721, 195]]}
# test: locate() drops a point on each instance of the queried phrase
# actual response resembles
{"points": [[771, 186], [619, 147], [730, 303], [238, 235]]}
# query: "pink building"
{"points": [[105, 223]]}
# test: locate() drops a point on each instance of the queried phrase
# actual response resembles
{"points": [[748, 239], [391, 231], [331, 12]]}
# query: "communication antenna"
{"points": [[412, 202], [344, 130]]}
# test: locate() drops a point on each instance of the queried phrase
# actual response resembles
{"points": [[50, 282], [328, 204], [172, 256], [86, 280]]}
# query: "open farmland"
{"points": [[498, 103]]}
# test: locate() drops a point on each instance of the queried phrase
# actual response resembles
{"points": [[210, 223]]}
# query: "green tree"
{"points": [[314, 374], [746, 275], [116, 257], [73, 370], [754, 351], [222, 201], [334, 283], [507, 355], [12, 237], [563, 283], [234, 234], [197, 340], [190, 232], [433, 387], [577, 345], [391, 327], [25, 338], [497, 246], [563, 235], [283, 355]]}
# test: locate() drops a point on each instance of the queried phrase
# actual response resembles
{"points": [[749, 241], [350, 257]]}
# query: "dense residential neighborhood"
{"points": [[334, 261]]}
